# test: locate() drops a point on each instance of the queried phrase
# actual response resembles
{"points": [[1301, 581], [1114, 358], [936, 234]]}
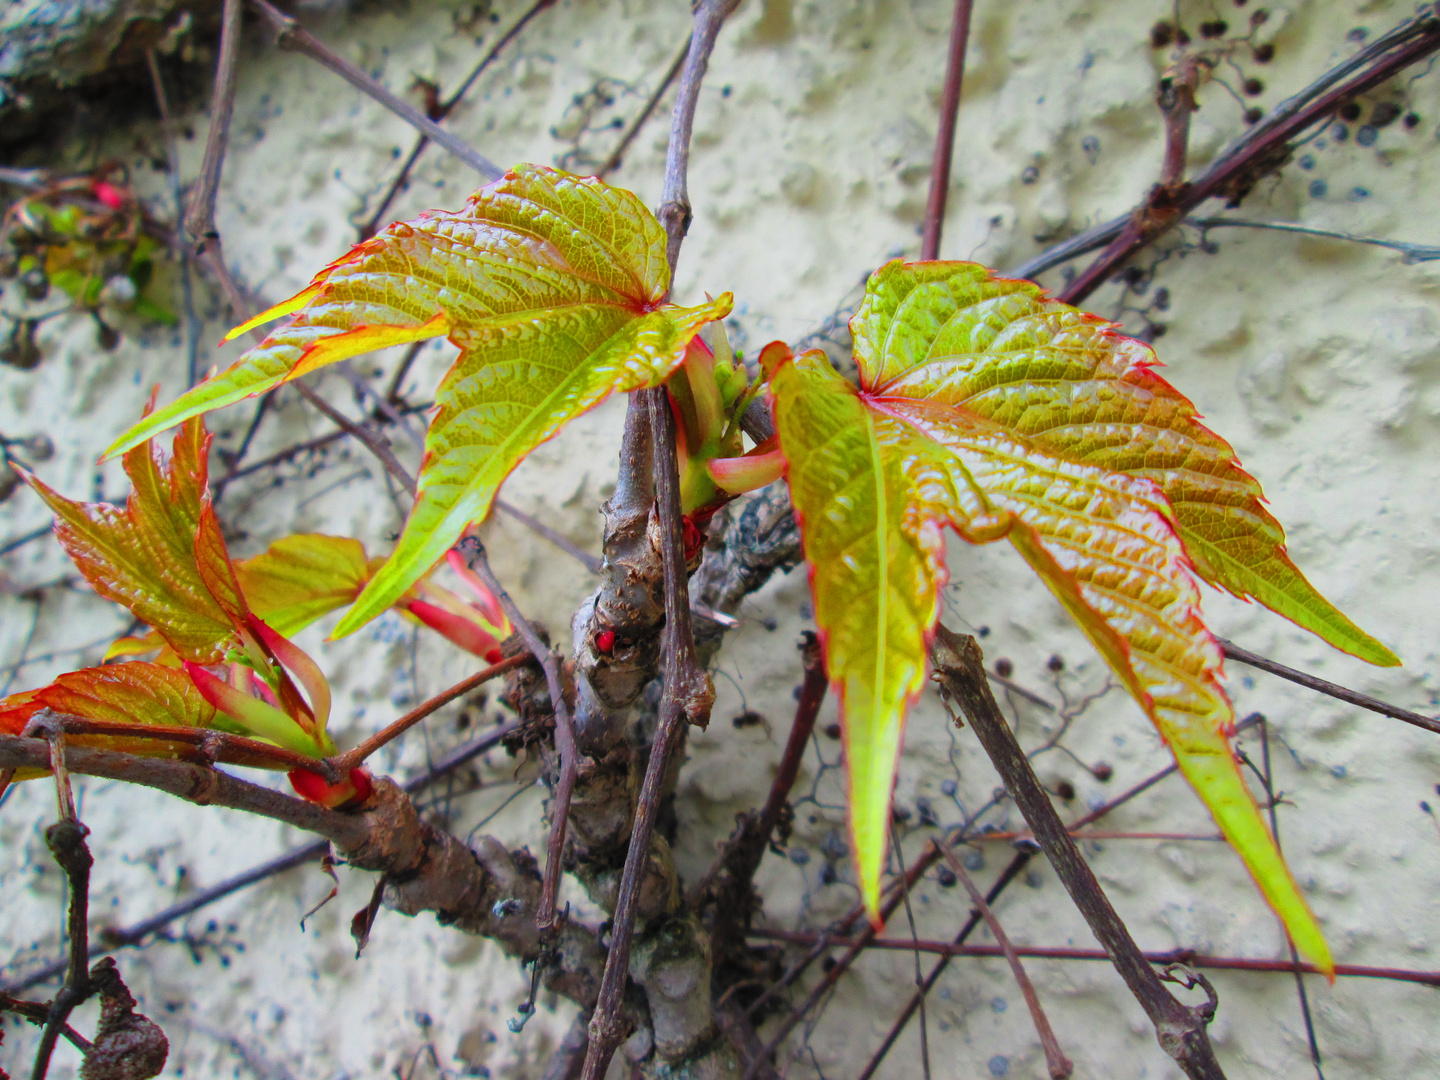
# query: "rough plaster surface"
{"points": [[1318, 359]]}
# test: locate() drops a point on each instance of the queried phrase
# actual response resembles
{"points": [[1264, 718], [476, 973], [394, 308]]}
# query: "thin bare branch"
{"points": [[200, 217], [1059, 1065], [1335, 690], [593, 563], [66, 841], [474, 553], [291, 35], [402, 178], [376, 444], [1188, 957], [343, 763], [617, 156], [195, 783], [728, 884], [1180, 1030], [1266, 148], [116, 938], [896, 896], [945, 136], [674, 212]]}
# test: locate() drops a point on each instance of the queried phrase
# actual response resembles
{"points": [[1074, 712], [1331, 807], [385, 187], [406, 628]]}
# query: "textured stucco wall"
{"points": [[1317, 359]]}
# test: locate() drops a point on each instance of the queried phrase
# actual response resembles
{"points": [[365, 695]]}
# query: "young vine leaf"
{"points": [[983, 406], [554, 288]]}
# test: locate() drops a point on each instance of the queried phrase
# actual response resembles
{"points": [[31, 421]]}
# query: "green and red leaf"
{"points": [[301, 578], [161, 555], [988, 408], [555, 289], [134, 694]]}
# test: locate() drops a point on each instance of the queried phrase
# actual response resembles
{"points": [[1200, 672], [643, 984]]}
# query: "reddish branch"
{"points": [[1161, 958], [1268, 148], [945, 137], [1059, 1065]]}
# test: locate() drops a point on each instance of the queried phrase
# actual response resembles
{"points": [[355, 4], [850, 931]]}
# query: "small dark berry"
{"points": [[1263, 54], [1339, 132], [1216, 28], [946, 877], [1350, 111], [1181, 37], [1065, 790], [1161, 34], [899, 814], [1253, 87], [1367, 135], [106, 336], [1158, 330], [1259, 17], [828, 964], [1056, 663], [1254, 116], [1412, 120], [832, 731], [1162, 299], [1004, 668], [1102, 771]]}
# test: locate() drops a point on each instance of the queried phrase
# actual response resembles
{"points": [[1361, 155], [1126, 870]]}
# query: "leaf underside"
{"points": [[985, 407], [553, 286]]}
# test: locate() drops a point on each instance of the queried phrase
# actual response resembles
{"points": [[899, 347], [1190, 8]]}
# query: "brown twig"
{"points": [[945, 136], [1176, 98], [474, 553], [1059, 1065], [674, 212], [617, 156], [402, 178], [291, 35], [687, 696], [1189, 957], [1311, 682], [1012, 870], [195, 783], [1263, 151], [200, 217], [36, 1012], [1272, 809], [1180, 1029], [119, 937], [183, 252], [66, 841]]}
